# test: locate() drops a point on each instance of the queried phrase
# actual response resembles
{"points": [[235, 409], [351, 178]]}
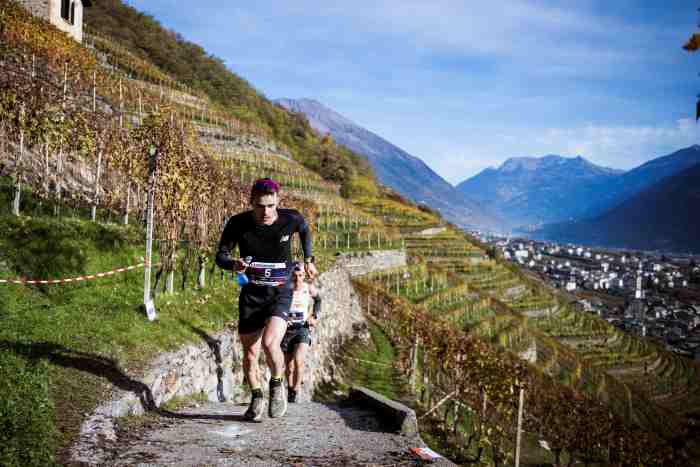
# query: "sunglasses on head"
{"points": [[266, 184]]}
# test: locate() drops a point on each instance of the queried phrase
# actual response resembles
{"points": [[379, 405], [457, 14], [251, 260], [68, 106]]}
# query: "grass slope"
{"points": [[63, 346]]}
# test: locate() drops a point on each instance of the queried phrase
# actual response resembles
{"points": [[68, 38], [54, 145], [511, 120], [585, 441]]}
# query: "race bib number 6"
{"points": [[267, 273]]}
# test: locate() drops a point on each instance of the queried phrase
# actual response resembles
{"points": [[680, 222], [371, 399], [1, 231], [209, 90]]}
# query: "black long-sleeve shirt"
{"points": [[270, 243]]}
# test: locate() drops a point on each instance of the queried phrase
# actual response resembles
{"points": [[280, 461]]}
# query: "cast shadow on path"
{"points": [[102, 367], [97, 365], [215, 347], [360, 419]]}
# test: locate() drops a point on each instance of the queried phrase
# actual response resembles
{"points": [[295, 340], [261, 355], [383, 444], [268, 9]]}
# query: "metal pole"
{"points": [[520, 425], [414, 363], [94, 91], [148, 303], [18, 185]]}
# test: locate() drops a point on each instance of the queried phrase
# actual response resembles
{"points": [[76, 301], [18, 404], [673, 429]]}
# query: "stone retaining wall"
{"points": [[541, 312], [250, 144], [515, 291], [213, 366]]}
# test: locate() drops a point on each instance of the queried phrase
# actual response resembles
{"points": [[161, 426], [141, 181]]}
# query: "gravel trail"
{"points": [[310, 434]]}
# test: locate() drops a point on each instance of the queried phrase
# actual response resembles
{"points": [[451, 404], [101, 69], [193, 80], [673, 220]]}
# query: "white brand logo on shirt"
{"points": [[284, 239]]}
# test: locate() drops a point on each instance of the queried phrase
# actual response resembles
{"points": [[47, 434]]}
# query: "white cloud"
{"points": [[555, 39], [623, 147]]}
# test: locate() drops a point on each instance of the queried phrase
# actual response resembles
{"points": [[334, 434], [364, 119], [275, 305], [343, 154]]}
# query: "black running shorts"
{"points": [[258, 303], [295, 336]]}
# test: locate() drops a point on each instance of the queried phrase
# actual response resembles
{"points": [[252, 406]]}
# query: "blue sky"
{"points": [[464, 85]]}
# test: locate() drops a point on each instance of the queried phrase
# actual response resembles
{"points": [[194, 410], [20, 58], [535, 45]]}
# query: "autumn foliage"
{"points": [[486, 381]]}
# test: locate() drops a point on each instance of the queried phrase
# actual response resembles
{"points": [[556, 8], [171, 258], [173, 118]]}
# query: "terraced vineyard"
{"points": [[143, 88], [415, 283], [398, 213], [455, 282], [294, 177], [444, 247]]}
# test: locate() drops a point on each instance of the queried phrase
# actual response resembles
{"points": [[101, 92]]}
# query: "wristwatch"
{"points": [[310, 259]]}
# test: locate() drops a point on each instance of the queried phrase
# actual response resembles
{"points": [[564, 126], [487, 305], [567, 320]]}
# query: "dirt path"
{"points": [[311, 434]]}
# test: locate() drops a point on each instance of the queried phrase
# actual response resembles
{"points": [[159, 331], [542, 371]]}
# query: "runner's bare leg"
{"points": [[271, 340], [299, 356], [289, 362], [251, 349]]}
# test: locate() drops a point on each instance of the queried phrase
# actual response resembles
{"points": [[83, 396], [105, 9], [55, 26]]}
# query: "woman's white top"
{"points": [[301, 301]]}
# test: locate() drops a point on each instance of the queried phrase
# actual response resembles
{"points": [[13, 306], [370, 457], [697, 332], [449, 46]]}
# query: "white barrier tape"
{"points": [[73, 279]]}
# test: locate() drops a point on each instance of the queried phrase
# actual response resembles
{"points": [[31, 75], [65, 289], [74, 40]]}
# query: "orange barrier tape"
{"points": [[73, 279]]}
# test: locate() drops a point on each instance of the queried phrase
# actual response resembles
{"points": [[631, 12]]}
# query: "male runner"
{"points": [[297, 339], [264, 234]]}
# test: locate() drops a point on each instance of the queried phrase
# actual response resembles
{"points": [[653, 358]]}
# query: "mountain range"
{"points": [[638, 179], [395, 168], [529, 191], [664, 216]]}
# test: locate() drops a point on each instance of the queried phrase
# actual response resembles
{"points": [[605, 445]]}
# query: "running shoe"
{"points": [[255, 409], [291, 395], [278, 401]]}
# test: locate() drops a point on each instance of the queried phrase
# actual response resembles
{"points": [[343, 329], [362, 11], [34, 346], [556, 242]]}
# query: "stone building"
{"points": [[66, 15], [637, 307]]}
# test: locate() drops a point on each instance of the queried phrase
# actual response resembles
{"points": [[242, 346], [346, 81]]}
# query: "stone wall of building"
{"points": [[51, 10], [213, 366], [38, 8], [529, 354]]}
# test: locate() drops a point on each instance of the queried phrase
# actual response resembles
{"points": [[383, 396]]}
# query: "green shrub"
{"points": [[49, 247], [26, 414]]}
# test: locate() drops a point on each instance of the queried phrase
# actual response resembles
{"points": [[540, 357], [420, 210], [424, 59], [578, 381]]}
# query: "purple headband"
{"points": [[266, 185]]}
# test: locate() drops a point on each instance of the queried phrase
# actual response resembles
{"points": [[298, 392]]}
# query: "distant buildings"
{"points": [[522, 254], [637, 307], [644, 281]]}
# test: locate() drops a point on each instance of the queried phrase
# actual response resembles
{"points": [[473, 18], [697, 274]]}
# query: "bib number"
{"points": [[267, 273]]}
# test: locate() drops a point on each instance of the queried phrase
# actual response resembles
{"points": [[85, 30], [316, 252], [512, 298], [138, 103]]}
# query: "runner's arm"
{"points": [[227, 244], [306, 246], [317, 306], [305, 237], [316, 296]]}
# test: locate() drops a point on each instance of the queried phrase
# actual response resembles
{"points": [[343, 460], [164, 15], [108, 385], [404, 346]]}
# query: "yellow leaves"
{"points": [[693, 43]]}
